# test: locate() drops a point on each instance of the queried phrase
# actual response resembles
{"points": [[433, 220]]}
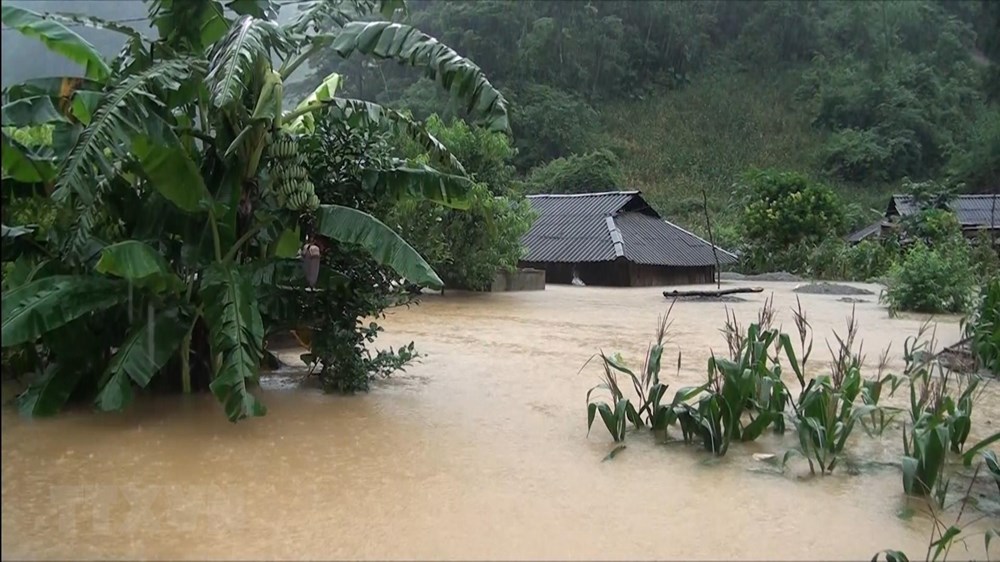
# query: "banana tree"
{"points": [[182, 144]]}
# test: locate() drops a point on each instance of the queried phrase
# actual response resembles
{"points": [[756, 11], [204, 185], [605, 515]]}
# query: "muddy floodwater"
{"points": [[479, 451]]}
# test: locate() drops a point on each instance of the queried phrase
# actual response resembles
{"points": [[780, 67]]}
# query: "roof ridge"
{"points": [[617, 242], [594, 194]]}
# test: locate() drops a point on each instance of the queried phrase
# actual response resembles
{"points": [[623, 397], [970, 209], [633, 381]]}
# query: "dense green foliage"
{"points": [[337, 157], [983, 327], [932, 279], [468, 247], [188, 227], [690, 95], [785, 211], [578, 173]]}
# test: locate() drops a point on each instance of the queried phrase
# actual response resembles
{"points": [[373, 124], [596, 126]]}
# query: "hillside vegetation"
{"points": [[689, 96]]}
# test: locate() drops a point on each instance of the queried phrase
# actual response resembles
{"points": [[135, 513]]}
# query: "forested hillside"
{"points": [[676, 97]]}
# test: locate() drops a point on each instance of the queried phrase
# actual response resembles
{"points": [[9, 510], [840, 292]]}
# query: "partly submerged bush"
{"points": [[931, 280], [983, 328]]}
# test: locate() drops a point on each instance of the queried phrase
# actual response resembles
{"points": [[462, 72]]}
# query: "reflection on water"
{"points": [[478, 452]]}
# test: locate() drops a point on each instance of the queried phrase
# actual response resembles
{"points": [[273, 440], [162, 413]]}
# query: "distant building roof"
{"points": [[598, 227], [972, 211], [867, 232]]}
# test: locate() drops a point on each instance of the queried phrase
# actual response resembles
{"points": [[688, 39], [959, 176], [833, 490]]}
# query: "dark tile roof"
{"points": [[598, 227], [866, 232], [973, 211]]}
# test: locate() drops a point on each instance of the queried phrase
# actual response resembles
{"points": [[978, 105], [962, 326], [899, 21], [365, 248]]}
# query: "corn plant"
{"points": [[743, 397], [990, 457], [880, 417], [615, 417], [647, 385], [827, 409], [983, 328]]}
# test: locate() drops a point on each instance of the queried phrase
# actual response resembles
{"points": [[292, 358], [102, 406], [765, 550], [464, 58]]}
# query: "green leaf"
{"points": [[30, 111], [124, 113], [58, 38], [288, 244], [144, 353], [945, 541], [173, 173], [359, 113], [351, 226], [235, 58], [456, 74], [93, 23], [237, 334], [325, 92], [24, 164], [892, 556], [971, 453], [47, 395], [43, 305], [138, 263], [419, 182]]}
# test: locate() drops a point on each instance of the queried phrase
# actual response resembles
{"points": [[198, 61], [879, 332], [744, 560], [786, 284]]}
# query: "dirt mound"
{"points": [[831, 289], [775, 276]]}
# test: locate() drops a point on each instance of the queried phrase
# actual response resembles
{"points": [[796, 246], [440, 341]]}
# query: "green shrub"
{"points": [[985, 256], [467, 247], [595, 171], [983, 328], [931, 279], [868, 260]]}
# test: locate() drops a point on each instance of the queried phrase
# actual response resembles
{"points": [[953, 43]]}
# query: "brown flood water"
{"points": [[478, 452]]}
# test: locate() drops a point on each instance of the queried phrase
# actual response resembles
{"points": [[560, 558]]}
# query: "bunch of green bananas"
{"points": [[290, 177]]}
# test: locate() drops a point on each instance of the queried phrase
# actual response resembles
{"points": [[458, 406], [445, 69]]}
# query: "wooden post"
{"points": [[711, 240]]}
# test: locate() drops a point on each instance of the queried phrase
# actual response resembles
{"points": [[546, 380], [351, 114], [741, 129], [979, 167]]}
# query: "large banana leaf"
{"points": [[419, 181], [325, 92], [24, 164], [237, 335], [34, 110], [236, 57], [51, 302], [144, 353], [352, 226], [58, 38], [47, 395], [323, 14], [194, 24], [173, 173], [93, 23], [404, 43], [71, 96], [123, 114], [138, 263]]}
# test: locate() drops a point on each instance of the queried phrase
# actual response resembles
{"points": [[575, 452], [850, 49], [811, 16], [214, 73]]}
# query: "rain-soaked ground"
{"points": [[479, 451]]}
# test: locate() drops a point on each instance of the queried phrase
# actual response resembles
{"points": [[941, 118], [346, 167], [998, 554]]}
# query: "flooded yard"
{"points": [[479, 451]]}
